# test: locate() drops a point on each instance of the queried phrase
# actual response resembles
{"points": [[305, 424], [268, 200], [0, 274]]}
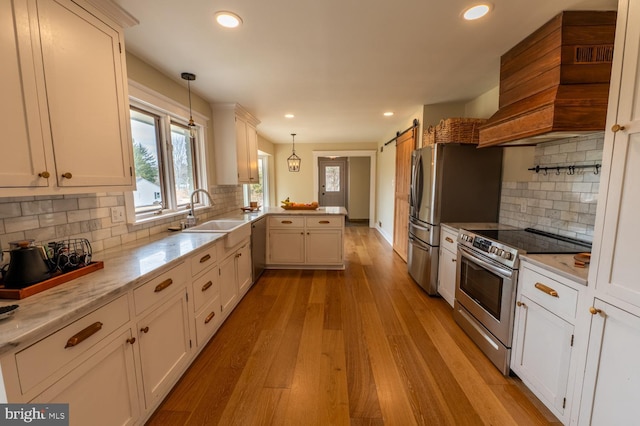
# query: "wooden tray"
{"points": [[300, 208], [21, 293]]}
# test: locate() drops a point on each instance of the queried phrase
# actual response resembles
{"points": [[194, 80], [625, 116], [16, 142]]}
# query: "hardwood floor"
{"points": [[363, 346]]}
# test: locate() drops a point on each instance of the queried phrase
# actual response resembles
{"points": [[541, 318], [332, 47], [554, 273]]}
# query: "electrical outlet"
{"points": [[380, 224], [523, 206], [117, 214]]}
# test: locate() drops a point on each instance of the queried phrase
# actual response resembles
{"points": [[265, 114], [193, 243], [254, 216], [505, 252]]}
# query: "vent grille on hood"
{"points": [[555, 83]]}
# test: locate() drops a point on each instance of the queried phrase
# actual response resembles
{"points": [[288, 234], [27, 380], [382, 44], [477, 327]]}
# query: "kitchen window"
{"points": [[166, 162], [258, 192]]}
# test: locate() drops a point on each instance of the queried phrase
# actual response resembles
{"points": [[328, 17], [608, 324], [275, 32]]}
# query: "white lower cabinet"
{"points": [[234, 275], [314, 241], [163, 336], [543, 353], [447, 265], [102, 390], [612, 377]]}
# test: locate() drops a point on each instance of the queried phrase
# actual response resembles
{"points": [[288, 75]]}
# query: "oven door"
{"points": [[487, 290]]}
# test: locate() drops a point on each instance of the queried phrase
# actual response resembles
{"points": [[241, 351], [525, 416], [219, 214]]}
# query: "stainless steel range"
{"points": [[486, 282]]}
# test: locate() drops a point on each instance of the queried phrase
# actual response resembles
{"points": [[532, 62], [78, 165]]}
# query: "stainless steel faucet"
{"points": [[195, 191]]}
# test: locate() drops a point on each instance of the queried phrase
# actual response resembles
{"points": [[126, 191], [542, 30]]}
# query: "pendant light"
{"points": [[294, 161], [193, 130]]}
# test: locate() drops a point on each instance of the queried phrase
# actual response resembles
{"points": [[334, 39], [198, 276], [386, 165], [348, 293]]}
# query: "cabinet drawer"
{"points": [[207, 321], [549, 293], [286, 222], [448, 240], [205, 288], [324, 222], [203, 260], [158, 288], [40, 360]]}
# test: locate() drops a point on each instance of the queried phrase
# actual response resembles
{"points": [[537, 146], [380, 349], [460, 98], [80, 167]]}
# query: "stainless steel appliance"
{"points": [[486, 283], [449, 183], [258, 247]]}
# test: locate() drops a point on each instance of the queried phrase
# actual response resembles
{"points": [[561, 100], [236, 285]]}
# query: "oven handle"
{"points": [[468, 254]]}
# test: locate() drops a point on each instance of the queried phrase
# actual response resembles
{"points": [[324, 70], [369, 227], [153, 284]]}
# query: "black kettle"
{"points": [[27, 266]]}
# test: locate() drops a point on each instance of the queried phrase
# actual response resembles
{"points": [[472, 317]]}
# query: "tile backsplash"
{"points": [[557, 202], [51, 218]]}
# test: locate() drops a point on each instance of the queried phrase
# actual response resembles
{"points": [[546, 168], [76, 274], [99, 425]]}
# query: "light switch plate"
{"points": [[117, 214]]}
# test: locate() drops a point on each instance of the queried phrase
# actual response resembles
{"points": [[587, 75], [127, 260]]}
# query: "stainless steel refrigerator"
{"points": [[449, 183]]}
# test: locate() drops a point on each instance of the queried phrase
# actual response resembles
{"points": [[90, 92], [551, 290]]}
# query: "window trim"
{"points": [[148, 100]]}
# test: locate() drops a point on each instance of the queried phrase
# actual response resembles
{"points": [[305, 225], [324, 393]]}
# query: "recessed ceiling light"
{"points": [[476, 12], [289, 115], [228, 19], [388, 114]]}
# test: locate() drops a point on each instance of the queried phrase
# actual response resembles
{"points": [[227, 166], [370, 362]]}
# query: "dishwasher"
{"points": [[258, 247]]}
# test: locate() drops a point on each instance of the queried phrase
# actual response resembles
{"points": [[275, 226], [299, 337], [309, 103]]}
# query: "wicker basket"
{"points": [[454, 130]]}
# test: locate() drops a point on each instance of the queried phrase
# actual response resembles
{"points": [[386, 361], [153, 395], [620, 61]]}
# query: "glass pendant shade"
{"points": [[293, 162], [193, 130]]}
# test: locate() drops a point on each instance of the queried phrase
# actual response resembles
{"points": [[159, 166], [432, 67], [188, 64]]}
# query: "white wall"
{"points": [[358, 204], [298, 186]]}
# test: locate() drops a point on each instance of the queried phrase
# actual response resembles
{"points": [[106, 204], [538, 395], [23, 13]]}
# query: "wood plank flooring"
{"points": [[363, 346]]}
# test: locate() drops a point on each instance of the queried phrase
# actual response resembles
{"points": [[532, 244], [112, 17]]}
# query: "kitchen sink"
{"points": [[234, 230]]}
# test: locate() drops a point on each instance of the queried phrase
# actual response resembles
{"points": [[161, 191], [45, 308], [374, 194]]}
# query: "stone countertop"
{"points": [[125, 267], [561, 264]]}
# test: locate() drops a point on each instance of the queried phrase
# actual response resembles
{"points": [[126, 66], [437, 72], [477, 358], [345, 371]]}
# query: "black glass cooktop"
{"points": [[534, 241]]}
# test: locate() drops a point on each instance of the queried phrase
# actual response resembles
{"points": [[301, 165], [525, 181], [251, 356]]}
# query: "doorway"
{"points": [[371, 184], [332, 176]]}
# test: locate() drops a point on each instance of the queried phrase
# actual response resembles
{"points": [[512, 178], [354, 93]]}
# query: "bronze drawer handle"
{"points": [[323, 221], [545, 289], [83, 335], [286, 221], [145, 330], [164, 284], [205, 258], [448, 239], [44, 174], [207, 285], [209, 317], [131, 340], [67, 175]]}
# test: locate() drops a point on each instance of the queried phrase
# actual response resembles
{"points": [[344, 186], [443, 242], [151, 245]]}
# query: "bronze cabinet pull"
{"points": [[131, 340], [521, 304], [545, 289], [207, 285], [145, 330], [286, 221], [67, 175], [594, 311], [164, 284], [616, 128], [83, 335], [205, 258], [44, 174], [209, 317], [324, 221], [448, 239]]}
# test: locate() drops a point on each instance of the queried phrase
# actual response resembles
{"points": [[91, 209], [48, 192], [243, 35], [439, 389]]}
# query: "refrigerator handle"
{"points": [[416, 187]]}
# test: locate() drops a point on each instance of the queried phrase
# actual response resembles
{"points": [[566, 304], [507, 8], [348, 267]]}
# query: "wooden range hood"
{"points": [[554, 84]]}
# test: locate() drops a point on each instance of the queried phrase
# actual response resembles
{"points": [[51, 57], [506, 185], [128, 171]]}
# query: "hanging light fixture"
{"points": [[193, 131], [294, 161]]}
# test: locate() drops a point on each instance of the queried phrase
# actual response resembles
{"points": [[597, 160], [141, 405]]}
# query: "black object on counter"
{"points": [[27, 266]]}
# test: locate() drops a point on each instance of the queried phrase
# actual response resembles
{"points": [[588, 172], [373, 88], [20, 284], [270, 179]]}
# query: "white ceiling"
{"points": [[336, 64]]}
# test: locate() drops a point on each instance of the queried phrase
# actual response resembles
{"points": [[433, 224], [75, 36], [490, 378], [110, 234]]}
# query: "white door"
{"points": [[102, 390], [164, 346], [83, 71], [612, 376], [228, 284], [618, 256], [332, 181], [22, 142]]}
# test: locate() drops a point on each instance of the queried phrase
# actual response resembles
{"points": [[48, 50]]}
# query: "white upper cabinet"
{"points": [[22, 143], [618, 232], [236, 145], [68, 115]]}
